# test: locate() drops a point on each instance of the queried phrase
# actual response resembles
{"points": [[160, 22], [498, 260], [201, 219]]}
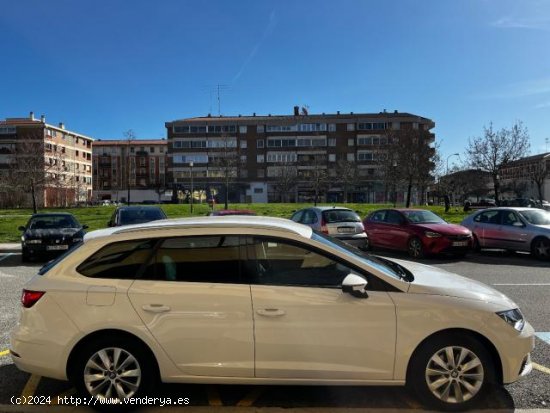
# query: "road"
{"points": [[524, 279]]}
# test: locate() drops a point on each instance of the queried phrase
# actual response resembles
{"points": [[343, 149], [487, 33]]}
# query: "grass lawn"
{"points": [[97, 217]]}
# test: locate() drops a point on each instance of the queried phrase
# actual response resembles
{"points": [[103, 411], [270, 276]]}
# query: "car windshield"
{"points": [[340, 215], [137, 216], [423, 217], [536, 217], [53, 222], [383, 265]]}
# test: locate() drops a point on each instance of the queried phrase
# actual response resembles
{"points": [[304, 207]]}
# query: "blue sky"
{"points": [[104, 67]]}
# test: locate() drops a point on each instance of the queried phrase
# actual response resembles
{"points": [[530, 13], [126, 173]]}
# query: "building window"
{"points": [[243, 158], [332, 142], [260, 143], [243, 144], [351, 142], [371, 126], [259, 158], [258, 190], [152, 149], [332, 127], [132, 149], [351, 157], [260, 129], [350, 127], [332, 157], [242, 129], [261, 173]]}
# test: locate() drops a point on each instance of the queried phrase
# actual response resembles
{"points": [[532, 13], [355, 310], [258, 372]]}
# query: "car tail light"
{"points": [[30, 298], [324, 228]]}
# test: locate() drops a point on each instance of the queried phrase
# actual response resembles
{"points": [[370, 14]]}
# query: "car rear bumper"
{"points": [[357, 240]]}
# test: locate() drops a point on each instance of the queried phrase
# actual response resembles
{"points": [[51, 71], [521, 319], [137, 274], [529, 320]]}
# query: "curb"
{"points": [[10, 248]]}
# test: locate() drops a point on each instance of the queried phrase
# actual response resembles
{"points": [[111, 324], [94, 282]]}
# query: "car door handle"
{"points": [[271, 312], [156, 308]]}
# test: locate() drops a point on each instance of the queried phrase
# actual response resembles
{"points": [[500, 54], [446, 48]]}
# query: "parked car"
{"points": [[49, 234], [135, 214], [512, 228], [417, 231], [256, 300], [225, 212], [338, 222]]}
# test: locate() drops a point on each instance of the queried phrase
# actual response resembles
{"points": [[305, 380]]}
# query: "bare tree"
{"points": [[412, 157], [285, 179], [347, 175], [227, 161], [495, 149], [538, 173]]}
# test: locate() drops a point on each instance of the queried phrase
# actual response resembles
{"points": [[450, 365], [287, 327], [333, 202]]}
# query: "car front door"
{"points": [[397, 234], [193, 301], [512, 232], [305, 326]]}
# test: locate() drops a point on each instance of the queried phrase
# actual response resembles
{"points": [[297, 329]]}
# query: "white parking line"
{"points": [[525, 284], [6, 256], [544, 336]]}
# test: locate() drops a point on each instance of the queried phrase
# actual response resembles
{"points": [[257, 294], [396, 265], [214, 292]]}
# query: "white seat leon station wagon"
{"points": [[255, 300]]}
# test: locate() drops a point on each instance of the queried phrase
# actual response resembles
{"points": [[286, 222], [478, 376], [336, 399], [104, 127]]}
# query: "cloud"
{"points": [[519, 23], [543, 105], [267, 31]]}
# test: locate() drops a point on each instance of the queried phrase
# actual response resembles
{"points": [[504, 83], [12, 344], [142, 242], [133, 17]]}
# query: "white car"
{"points": [[255, 300]]}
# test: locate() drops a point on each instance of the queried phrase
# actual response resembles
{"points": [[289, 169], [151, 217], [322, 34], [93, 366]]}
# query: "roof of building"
{"points": [[39, 122], [125, 142], [527, 159], [231, 221], [302, 118]]}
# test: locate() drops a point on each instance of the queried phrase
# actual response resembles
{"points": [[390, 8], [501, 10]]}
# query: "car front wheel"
{"points": [[450, 373], [415, 248], [541, 248]]}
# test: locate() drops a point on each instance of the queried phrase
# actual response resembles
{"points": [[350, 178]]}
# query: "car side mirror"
{"points": [[85, 227], [22, 228], [355, 285]]}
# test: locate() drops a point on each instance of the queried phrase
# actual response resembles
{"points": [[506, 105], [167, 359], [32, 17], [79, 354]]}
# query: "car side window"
{"points": [[488, 217], [510, 218], [119, 260], [207, 259], [310, 217], [272, 261], [394, 217], [297, 217], [378, 216]]}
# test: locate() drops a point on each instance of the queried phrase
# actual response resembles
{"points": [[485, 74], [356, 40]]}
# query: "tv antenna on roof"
{"points": [[217, 89]]}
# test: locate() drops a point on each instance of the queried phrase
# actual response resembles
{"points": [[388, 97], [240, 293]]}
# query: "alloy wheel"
{"points": [[415, 248], [542, 248], [112, 373], [454, 374]]}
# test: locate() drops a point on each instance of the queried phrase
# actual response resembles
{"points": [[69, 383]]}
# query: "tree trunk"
{"points": [[33, 197], [409, 190], [496, 186], [539, 189]]}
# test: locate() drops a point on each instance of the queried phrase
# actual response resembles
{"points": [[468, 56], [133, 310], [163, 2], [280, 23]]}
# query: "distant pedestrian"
{"points": [[447, 202]]}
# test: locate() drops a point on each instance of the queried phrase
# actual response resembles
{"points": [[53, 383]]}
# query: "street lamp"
{"points": [[191, 165]]}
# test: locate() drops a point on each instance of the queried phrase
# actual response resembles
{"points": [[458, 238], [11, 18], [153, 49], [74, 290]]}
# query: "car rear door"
{"points": [[305, 327], [486, 228], [192, 299]]}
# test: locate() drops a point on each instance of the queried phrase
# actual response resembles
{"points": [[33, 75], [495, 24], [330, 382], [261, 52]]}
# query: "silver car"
{"points": [[511, 228], [338, 222]]}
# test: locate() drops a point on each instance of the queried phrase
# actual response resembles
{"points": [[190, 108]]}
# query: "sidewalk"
{"points": [[10, 247]]}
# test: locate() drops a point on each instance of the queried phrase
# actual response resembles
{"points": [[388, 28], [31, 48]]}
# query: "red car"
{"points": [[417, 231]]}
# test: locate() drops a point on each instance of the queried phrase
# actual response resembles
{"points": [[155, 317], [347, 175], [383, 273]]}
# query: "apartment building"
{"points": [[130, 168], [521, 178], [49, 160], [279, 157]]}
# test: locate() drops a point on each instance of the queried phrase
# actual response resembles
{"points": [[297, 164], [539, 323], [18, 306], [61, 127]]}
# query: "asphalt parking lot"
{"points": [[524, 279]]}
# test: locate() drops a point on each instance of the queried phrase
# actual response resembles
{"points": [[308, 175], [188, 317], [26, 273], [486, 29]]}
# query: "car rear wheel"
{"points": [[113, 369], [415, 248], [451, 373], [541, 248], [476, 247]]}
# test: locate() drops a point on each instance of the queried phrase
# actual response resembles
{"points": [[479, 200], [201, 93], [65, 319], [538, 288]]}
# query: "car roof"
{"points": [[236, 221], [326, 208], [52, 214], [138, 207], [511, 208], [222, 212]]}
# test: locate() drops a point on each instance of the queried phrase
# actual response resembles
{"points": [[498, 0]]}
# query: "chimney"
{"points": [[395, 111], [254, 114], [209, 115], [351, 113], [42, 119], [31, 116], [296, 111], [61, 125], [338, 112]]}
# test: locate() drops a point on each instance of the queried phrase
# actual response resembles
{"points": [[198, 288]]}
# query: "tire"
{"points": [[415, 248], [93, 374], [540, 248], [439, 380], [475, 245], [366, 246], [25, 257]]}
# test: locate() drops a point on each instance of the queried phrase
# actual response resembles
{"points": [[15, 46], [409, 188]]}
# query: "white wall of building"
{"points": [[257, 193], [136, 195]]}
